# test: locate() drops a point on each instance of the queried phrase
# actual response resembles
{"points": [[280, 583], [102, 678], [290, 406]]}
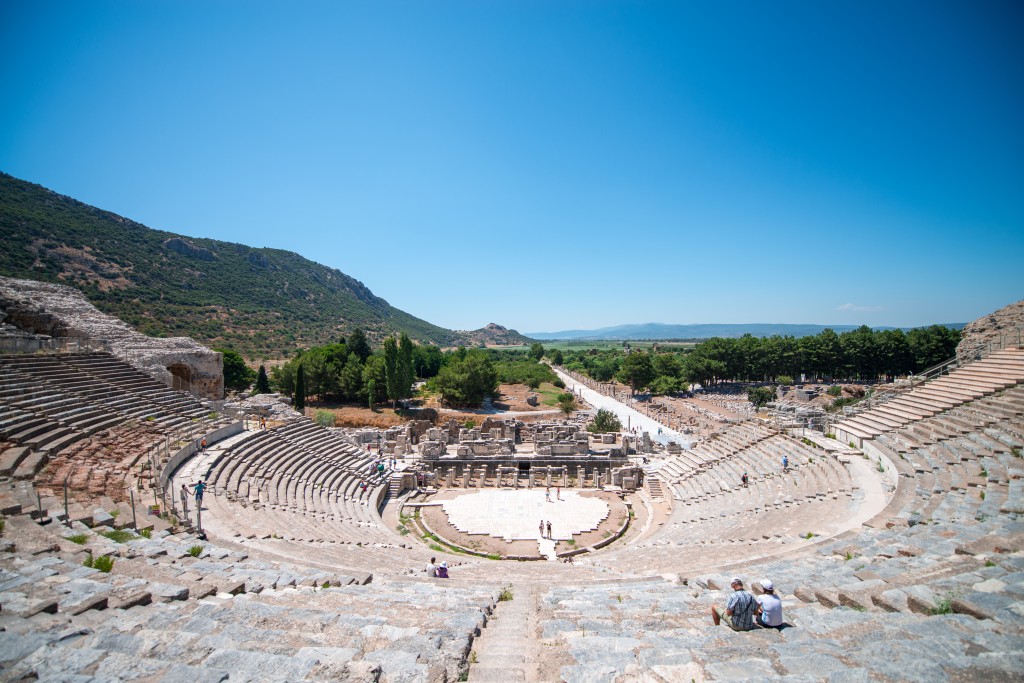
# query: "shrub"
{"points": [[324, 418], [840, 402], [195, 551], [605, 421], [760, 396], [103, 563], [785, 380], [835, 391]]}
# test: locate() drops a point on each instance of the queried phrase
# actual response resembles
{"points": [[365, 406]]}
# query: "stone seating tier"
{"points": [[204, 618], [994, 373]]}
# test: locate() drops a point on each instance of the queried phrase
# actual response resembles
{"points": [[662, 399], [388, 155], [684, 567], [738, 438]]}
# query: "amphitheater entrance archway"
{"points": [[181, 377]]}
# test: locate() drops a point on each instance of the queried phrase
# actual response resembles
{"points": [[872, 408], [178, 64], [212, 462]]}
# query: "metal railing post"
{"points": [[135, 521], [67, 515]]}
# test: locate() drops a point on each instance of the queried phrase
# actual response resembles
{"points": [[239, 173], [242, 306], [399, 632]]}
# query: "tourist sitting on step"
{"points": [[739, 609], [431, 568], [769, 607], [442, 571]]}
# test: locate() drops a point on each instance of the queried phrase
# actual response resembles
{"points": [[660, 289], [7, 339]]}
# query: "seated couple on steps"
{"points": [[744, 612]]}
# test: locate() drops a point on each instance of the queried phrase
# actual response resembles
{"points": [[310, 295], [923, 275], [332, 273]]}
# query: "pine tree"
{"points": [[300, 390], [358, 345], [262, 383]]}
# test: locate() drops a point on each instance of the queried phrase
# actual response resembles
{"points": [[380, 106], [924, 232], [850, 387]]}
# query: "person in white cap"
{"points": [[769, 607], [739, 608]]}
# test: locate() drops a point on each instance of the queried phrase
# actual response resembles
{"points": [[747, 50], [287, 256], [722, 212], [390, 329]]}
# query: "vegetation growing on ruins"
{"points": [[567, 403], [760, 396], [605, 421]]}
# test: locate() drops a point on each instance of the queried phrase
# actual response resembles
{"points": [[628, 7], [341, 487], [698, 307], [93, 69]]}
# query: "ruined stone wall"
{"points": [[42, 308]]}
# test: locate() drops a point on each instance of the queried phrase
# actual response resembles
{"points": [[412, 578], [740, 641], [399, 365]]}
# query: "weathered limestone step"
{"points": [[11, 458], [31, 465]]}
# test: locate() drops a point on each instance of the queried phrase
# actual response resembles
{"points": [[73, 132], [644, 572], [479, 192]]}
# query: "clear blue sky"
{"points": [[552, 165]]}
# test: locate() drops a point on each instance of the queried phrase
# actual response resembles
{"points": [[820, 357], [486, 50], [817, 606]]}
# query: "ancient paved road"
{"points": [[628, 416]]}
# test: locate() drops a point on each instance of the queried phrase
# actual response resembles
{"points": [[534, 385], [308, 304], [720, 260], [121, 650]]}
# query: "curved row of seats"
{"points": [[167, 612], [302, 470], [999, 370], [50, 402], [931, 589]]}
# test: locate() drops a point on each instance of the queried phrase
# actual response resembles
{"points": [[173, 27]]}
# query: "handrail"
{"points": [[979, 350]]}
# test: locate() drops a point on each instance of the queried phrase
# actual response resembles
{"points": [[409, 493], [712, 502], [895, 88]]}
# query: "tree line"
{"points": [[861, 355], [350, 371]]}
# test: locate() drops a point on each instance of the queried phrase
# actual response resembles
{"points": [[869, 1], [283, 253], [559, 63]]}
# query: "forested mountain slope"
{"points": [[258, 301]]}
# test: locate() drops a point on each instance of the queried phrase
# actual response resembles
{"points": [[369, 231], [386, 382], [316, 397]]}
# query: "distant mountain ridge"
{"points": [[262, 302], [703, 331]]}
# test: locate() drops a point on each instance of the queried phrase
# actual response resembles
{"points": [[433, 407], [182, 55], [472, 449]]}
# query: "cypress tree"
{"points": [[300, 390], [262, 383], [392, 371], [406, 371]]}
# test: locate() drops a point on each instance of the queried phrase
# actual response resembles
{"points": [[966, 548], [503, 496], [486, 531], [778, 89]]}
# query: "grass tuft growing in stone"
{"points": [[80, 539], [103, 563], [506, 594], [195, 551], [943, 606], [118, 535]]}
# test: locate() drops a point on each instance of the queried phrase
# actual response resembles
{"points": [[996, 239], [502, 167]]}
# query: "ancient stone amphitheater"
{"points": [[898, 556]]}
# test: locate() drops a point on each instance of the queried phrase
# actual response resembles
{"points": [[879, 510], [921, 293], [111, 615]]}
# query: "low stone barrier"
{"points": [[188, 451]]}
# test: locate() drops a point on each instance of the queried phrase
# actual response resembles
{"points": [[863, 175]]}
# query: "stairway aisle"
{"points": [[509, 648]]}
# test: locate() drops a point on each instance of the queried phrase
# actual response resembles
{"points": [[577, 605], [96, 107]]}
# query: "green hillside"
{"points": [[261, 302]]}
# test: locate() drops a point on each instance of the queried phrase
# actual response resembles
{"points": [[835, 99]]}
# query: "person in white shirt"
{"points": [[769, 607]]}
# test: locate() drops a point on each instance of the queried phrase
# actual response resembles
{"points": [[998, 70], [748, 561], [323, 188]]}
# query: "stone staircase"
{"points": [[509, 649], [997, 371]]}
